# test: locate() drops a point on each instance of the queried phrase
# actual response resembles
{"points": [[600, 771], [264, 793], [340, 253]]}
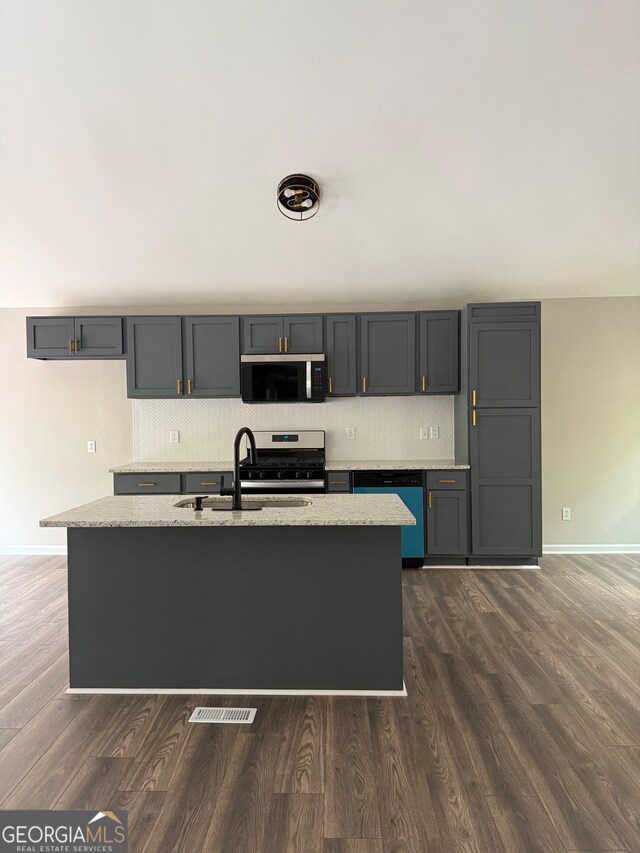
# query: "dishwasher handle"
{"points": [[373, 479]]}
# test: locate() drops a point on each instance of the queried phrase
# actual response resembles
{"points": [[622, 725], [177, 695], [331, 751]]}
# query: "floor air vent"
{"points": [[223, 715]]}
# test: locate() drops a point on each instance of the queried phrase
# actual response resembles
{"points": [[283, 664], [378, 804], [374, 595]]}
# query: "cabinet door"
{"points": [[504, 364], [388, 354], [439, 352], [212, 347], [98, 337], [154, 357], [50, 337], [341, 355], [505, 482], [303, 334], [262, 335], [447, 522]]}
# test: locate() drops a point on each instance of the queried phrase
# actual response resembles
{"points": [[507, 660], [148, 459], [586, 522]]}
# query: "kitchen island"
{"points": [[163, 598]]}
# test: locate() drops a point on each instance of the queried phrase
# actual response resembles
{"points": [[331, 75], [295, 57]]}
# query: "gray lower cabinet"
{"points": [[154, 357], [388, 354], [338, 481], [212, 356], [447, 523], [205, 482], [74, 337], [147, 484], [342, 376], [439, 369], [505, 482], [504, 363], [270, 334]]}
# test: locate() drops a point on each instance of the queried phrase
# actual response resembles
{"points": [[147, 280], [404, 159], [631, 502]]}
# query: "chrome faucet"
{"points": [[236, 503]]}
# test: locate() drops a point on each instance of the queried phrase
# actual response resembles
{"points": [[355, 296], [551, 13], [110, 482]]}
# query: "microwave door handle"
{"points": [[308, 380]]}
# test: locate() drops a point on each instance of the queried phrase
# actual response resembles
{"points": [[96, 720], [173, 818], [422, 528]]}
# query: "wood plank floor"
{"points": [[520, 732]]}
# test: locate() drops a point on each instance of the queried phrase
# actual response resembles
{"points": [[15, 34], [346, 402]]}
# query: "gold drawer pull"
{"points": [[330, 385], [208, 484], [338, 483], [179, 386], [473, 397], [147, 484], [364, 384], [430, 502], [188, 386], [473, 418], [446, 481], [424, 383]]}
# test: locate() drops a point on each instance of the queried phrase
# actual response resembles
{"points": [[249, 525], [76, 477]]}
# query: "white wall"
{"points": [[48, 411]]}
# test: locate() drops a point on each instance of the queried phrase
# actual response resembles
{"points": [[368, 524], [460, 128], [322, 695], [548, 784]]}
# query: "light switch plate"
{"points": [[351, 432], [174, 436]]}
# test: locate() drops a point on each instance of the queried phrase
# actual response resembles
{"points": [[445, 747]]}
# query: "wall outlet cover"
{"points": [[566, 513], [351, 432], [91, 446], [425, 432]]}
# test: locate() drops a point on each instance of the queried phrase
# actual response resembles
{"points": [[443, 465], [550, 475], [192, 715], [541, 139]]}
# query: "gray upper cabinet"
{"points": [[303, 334], [74, 337], [212, 355], [505, 481], [439, 352], [262, 335], [275, 334], [504, 364], [342, 377], [154, 357], [98, 337], [388, 354]]}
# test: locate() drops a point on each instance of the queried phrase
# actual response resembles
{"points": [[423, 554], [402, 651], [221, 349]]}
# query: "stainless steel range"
{"points": [[286, 462]]}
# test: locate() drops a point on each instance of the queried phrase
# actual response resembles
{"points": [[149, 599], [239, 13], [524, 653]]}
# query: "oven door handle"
{"points": [[308, 380], [280, 484]]}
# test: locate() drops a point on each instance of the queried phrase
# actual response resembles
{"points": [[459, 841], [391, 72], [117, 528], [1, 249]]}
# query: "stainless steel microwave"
{"points": [[283, 378]]}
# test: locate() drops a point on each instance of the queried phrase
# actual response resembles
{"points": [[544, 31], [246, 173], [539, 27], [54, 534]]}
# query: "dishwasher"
{"points": [[409, 487]]}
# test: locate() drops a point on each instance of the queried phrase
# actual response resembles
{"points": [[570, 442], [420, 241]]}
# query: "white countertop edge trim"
{"points": [[223, 691]]}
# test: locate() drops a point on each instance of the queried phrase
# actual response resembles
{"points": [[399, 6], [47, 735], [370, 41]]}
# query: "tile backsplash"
{"points": [[386, 427]]}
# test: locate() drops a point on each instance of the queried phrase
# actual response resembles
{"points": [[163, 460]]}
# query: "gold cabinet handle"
{"points": [[209, 484], [279, 344], [337, 482], [429, 502], [473, 397], [147, 484], [424, 383], [286, 344], [473, 418], [179, 386], [188, 386], [75, 345], [446, 481], [70, 346], [330, 385], [364, 384]]}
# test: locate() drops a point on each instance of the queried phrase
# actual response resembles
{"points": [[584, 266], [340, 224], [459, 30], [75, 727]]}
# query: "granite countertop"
{"points": [[159, 511], [395, 465], [158, 467]]}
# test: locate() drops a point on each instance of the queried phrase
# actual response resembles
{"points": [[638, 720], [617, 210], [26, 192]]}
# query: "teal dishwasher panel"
{"points": [[413, 499]]}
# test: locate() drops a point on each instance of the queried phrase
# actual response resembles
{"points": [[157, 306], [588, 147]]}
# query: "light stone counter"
{"points": [[160, 511], [158, 467], [395, 465]]}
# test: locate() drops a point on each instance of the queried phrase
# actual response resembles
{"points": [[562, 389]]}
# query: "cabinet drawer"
{"points": [[206, 482], [145, 484], [446, 479], [338, 481]]}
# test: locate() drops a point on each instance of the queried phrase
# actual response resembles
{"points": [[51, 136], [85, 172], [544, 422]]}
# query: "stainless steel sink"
{"points": [[248, 503]]}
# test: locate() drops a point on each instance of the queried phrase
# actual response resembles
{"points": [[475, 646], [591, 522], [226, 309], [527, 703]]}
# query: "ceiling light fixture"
{"points": [[298, 197]]}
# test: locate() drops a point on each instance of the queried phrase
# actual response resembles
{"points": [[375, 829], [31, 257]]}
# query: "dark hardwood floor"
{"points": [[520, 732]]}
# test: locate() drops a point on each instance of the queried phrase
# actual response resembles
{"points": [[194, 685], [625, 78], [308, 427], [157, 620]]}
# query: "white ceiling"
{"points": [[465, 149]]}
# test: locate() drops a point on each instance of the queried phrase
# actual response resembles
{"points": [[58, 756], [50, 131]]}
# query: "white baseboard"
{"points": [[33, 550], [224, 691], [591, 549]]}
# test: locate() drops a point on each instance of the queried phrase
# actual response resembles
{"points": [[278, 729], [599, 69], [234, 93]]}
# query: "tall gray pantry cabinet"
{"points": [[498, 429]]}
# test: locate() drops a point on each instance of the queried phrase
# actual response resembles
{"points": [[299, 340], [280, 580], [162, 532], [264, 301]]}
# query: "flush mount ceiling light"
{"points": [[298, 197]]}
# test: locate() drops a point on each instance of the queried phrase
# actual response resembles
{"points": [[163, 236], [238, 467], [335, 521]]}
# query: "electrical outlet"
{"points": [[435, 432], [351, 432], [566, 513], [425, 432], [91, 446], [174, 436]]}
